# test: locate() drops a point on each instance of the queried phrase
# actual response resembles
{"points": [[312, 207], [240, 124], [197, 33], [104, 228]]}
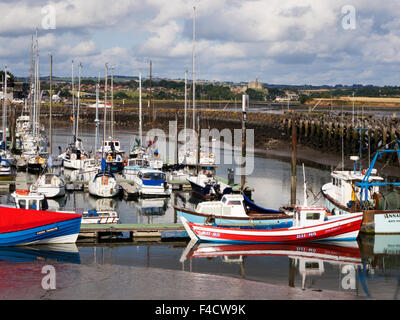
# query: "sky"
{"points": [[315, 42]]}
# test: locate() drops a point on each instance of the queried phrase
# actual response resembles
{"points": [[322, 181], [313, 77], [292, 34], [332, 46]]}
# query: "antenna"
{"points": [[305, 187]]}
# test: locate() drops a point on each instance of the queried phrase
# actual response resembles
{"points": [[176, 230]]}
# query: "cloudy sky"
{"points": [[279, 41]]}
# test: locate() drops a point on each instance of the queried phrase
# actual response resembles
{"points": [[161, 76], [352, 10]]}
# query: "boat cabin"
{"points": [[137, 163], [231, 205], [113, 145], [309, 216], [343, 188], [151, 177], [29, 200]]}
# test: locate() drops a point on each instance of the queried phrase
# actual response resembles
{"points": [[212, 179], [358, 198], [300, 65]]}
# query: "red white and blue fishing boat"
{"points": [[30, 226], [309, 224]]}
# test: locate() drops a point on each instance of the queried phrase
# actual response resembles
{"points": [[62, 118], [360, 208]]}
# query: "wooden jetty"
{"points": [[136, 231]]}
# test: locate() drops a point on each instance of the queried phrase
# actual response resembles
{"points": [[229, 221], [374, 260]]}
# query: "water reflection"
{"points": [[56, 253], [305, 259]]}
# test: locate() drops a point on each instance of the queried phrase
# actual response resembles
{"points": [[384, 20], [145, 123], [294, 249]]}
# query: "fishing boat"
{"points": [[152, 183], [207, 187], [234, 209], [309, 224], [29, 223], [50, 185], [104, 185], [360, 190]]}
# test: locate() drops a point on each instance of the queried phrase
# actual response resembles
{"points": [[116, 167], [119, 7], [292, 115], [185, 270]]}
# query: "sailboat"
{"points": [[49, 184], [75, 157], [114, 155], [141, 157], [104, 184], [189, 156]]}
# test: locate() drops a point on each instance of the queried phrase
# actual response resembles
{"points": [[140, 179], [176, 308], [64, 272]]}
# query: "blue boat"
{"points": [[28, 226], [234, 209]]}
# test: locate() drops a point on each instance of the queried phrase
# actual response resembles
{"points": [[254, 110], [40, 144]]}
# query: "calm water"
{"points": [[368, 268]]}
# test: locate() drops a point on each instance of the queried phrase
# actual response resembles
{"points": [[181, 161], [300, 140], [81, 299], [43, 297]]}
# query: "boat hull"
{"points": [[375, 221], [25, 227], [343, 229]]}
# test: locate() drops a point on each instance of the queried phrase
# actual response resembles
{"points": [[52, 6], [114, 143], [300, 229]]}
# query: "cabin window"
{"points": [[22, 204], [146, 176], [234, 203], [117, 144], [312, 265], [313, 216], [32, 205]]}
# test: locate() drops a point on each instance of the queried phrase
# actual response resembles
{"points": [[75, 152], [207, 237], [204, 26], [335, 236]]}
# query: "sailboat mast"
{"points": [[31, 85], [79, 101], [140, 108], [73, 101], [5, 107], [38, 95], [105, 108], [97, 115], [194, 69], [185, 115], [112, 102], [51, 106]]}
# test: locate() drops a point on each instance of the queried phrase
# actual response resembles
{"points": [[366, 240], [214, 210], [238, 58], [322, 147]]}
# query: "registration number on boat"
{"points": [[209, 234], [305, 235]]}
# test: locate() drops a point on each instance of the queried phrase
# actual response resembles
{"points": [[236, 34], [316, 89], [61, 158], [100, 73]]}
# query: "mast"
{"points": [[97, 121], [140, 108], [38, 95], [5, 108], [112, 102], [105, 108], [194, 69], [73, 101], [31, 85], [51, 106], [184, 120], [79, 102]]}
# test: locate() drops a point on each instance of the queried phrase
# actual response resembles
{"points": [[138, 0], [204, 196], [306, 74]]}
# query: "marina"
{"points": [[215, 157]]}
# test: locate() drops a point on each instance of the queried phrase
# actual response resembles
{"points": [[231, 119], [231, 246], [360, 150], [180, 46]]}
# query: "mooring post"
{"points": [[294, 151]]}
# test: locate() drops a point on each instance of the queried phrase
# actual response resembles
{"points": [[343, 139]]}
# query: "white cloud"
{"points": [[275, 40]]}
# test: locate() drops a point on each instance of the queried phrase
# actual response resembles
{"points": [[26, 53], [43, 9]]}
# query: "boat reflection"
{"points": [[60, 253], [152, 206], [306, 259]]}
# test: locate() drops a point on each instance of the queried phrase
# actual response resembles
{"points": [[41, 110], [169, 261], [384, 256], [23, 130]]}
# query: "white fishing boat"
{"points": [[152, 183], [50, 185], [104, 185]]}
